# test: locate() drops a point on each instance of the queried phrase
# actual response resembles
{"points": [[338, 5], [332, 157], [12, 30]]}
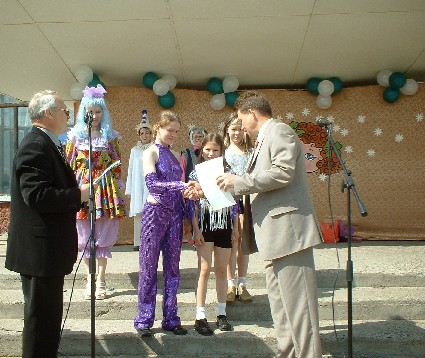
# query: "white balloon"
{"points": [[160, 87], [230, 84], [411, 87], [326, 88], [76, 90], [323, 102], [171, 80], [83, 74], [218, 101], [383, 77]]}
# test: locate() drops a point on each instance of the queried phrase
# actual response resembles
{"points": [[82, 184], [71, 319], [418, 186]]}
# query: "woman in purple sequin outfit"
{"points": [[161, 228]]}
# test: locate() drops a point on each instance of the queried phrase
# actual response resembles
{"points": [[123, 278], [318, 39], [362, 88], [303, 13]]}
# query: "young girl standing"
{"points": [[238, 152], [213, 231], [161, 229]]}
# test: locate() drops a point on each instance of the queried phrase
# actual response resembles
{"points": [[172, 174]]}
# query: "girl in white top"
{"points": [[237, 154], [136, 186]]}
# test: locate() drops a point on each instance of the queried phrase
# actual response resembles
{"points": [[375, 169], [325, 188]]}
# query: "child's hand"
{"points": [[199, 238]]}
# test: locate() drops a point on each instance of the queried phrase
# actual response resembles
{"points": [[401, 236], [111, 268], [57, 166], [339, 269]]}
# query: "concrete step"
{"points": [[376, 264], [389, 339], [368, 303], [188, 277]]}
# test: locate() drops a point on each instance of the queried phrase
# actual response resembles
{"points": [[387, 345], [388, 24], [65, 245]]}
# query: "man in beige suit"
{"points": [[284, 224]]}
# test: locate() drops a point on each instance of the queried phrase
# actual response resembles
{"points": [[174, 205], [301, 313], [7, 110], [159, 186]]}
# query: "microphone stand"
{"points": [[88, 119], [348, 184]]}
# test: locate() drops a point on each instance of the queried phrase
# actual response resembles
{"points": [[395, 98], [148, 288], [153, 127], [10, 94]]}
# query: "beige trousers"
{"points": [[292, 290]]}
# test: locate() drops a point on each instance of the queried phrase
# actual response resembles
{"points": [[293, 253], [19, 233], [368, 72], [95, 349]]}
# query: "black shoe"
{"points": [[202, 327], [223, 324], [177, 330], [144, 332], [135, 248]]}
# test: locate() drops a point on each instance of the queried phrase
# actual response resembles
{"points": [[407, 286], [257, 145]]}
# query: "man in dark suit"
{"points": [[42, 237], [284, 223]]}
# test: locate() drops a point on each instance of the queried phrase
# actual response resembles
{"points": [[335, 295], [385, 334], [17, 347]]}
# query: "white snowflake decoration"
{"points": [[336, 128], [330, 119], [344, 132], [419, 117], [361, 118], [371, 152], [398, 138], [323, 177], [279, 118], [348, 149], [220, 126], [377, 132], [190, 126], [305, 112], [318, 117], [289, 115]]}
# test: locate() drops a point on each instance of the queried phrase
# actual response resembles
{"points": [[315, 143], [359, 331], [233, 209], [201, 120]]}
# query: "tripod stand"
{"points": [[348, 184]]}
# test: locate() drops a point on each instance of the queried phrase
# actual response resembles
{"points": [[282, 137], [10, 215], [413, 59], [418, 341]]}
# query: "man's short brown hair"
{"points": [[253, 100]]}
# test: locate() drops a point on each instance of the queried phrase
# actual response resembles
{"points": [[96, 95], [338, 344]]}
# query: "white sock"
{"points": [[221, 308], [200, 313], [242, 281], [231, 282]]}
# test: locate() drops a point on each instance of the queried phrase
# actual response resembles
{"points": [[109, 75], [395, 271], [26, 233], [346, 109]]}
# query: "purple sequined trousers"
{"points": [[161, 231]]}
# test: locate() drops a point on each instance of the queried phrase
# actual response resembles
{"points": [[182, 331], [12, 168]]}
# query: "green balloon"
{"points": [[397, 80], [391, 94], [313, 85], [337, 84], [149, 79], [167, 100], [215, 85], [231, 98]]}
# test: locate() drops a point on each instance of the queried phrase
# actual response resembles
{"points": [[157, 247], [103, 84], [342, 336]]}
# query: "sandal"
{"points": [[100, 290]]}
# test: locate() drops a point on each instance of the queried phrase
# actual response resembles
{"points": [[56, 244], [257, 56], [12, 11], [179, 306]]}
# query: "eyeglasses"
{"points": [[66, 110]]}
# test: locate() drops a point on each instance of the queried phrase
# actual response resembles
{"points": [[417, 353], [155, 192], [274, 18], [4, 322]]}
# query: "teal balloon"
{"points": [[397, 80], [337, 84], [149, 78], [313, 85], [96, 81], [215, 85], [391, 94], [167, 100], [231, 98]]}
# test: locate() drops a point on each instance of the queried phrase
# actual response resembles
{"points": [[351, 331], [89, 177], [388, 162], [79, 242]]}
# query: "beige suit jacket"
{"points": [[283, 216]]}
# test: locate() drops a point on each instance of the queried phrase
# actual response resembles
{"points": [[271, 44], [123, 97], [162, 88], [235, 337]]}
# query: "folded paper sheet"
{"points": [[207, 173]]}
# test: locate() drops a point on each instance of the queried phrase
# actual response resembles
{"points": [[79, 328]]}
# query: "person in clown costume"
{"points": [[109, 194], [136, 186]]}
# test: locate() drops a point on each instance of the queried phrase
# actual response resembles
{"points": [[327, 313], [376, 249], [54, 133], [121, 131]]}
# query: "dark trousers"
{"points": [[42, 316]]}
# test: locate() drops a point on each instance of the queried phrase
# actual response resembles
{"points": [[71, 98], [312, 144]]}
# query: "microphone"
{"points": [[323, 122], [88, 118]]}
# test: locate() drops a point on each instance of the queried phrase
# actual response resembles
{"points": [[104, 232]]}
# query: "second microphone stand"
{"points": [[348, 184], [88, 119]]}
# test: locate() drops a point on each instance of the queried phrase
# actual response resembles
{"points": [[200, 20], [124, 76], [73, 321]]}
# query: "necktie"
{"points": [[62, 153]]}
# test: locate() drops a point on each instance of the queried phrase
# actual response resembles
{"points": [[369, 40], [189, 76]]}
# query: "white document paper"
{"points": [[207, 173]]}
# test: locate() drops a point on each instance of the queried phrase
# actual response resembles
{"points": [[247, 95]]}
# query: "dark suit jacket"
{"points": [[42, 237]]}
